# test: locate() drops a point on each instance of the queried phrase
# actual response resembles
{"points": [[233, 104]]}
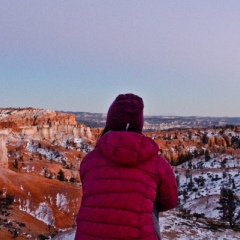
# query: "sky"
{"points": [[181, 56]]}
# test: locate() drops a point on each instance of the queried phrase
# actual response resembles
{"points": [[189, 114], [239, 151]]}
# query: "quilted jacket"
{"points": [[121, 179]]}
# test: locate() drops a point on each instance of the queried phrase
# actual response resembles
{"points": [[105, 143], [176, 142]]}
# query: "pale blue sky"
{"points": [[182, 57]]}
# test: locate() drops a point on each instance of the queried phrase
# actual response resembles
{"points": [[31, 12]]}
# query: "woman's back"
{"points": [[123, 178], [120, 184]]}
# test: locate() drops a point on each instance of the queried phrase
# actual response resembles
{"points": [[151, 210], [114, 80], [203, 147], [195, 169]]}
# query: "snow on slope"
{"points": [[177, 228], [207, 177]]}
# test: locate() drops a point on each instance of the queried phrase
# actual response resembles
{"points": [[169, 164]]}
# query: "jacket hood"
{"points": [[127, 148]]}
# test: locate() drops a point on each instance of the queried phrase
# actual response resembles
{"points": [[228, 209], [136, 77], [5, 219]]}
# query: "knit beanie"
{"points": [[126, 113]]}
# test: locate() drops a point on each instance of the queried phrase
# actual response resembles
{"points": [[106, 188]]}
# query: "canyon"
{"points": [[40, 155]]}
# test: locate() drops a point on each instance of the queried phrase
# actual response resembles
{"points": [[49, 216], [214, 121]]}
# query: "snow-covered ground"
{"points": [[200, 183], [68, 235], [177, 228]]}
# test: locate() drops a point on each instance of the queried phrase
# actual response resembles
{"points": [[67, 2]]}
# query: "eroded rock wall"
{"points": [[42, 124], [38, 124], [3, 148]]}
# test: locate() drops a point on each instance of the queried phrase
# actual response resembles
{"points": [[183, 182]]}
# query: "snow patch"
{"points": [[43, 212], [62, 202]]}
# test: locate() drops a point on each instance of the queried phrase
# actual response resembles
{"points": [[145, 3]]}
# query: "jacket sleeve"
{"points": [[167, 191]]}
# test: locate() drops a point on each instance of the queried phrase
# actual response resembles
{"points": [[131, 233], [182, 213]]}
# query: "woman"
{"points": [[124, 179]]}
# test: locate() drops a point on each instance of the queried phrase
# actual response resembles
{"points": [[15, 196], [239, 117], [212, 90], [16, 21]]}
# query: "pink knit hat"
{"points": [[126, 113]]}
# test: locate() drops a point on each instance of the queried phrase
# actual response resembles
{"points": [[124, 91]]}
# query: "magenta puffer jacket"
{"points": [[121, 179]]}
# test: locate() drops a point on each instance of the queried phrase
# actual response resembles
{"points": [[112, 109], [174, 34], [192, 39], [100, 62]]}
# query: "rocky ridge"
{"points": [[158, 123], [40, 153], [38, 124]]}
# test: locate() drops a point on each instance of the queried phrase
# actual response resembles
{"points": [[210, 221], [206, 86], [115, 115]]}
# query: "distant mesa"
{"points": [[158, 123]]}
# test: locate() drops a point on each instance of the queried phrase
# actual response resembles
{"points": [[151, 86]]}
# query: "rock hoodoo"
{"points": [[38, 124], [3, 148]]}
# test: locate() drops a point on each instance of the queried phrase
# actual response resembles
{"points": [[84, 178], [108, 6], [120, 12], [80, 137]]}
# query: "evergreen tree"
{"points": [[178, 181], [72, 179], [185, 195], [207, 156], [61, 175], [205, 138], [195, 153], [190, 184], [229, 206], [233, 184], [15, 163]]}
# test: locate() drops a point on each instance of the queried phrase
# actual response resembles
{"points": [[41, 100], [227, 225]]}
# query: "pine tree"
{"points": [[190, 184], [207, 156], [229, 206], [61, 175]]}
